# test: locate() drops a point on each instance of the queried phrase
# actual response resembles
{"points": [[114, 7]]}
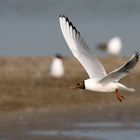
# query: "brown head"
{"points": [[59, 56], [80, 85]]}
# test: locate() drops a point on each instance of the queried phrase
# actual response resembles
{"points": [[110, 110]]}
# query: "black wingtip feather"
{"points": [[137, 55], [70, 23], [62, 16]]}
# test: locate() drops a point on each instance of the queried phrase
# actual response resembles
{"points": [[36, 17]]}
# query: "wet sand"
{"points": [[70, 123]]}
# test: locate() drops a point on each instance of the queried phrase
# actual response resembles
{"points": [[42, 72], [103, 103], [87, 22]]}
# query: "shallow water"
{"points": [[109, 125], [101, 131]]}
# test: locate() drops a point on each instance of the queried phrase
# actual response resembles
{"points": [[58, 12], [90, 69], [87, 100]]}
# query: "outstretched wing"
{"points": [[123, 71], [81, 50]]}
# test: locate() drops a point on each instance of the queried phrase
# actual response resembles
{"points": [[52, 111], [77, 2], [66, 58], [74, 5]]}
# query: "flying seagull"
{"points": [[99, 80]]}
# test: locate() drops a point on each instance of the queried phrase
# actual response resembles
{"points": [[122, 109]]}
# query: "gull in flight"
{"points": [[99, 80]]}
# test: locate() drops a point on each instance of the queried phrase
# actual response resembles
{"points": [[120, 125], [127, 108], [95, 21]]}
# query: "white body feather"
{"points": [[57, 68], [92, 85], [114, 46]]}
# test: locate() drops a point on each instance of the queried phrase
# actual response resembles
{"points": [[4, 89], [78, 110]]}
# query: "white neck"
{"points": [[89, 84]]}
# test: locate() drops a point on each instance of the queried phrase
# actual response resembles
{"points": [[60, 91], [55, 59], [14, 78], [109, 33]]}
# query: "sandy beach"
{"points": [[34, 106]]}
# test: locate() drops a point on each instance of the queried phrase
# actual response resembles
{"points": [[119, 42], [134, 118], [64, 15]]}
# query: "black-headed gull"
{"points": [[98, 79], [56, 69], [113, 47]]}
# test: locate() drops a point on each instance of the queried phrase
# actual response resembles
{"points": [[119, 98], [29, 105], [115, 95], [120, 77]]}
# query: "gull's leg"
{"points": [[122, 97], [119, 97]]}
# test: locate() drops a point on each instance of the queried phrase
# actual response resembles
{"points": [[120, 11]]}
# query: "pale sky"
{"points": [[31, 27]]}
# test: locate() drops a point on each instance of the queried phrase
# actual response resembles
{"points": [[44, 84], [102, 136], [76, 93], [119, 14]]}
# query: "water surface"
{"points": [[102, 131]]}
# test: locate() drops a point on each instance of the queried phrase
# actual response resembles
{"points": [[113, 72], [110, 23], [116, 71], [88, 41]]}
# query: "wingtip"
{"points": [[62, 16], [69, 22], [137, 55]]}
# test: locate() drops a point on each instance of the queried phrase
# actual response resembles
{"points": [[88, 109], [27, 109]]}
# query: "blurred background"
{"points": [[35, 104], [31, 27]]}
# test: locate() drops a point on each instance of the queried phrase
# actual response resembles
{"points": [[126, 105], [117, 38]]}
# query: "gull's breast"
{"points": [[101, 88]]}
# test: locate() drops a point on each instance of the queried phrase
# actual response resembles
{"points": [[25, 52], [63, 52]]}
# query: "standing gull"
{"points": [[56, 69], [98, 79], [113, 46]]}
